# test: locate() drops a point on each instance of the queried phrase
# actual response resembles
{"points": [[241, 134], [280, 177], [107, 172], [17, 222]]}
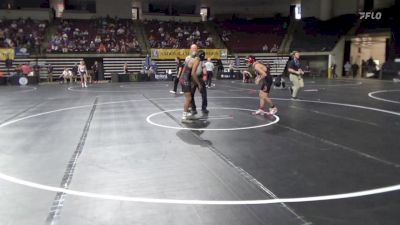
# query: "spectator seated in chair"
{"points": [[66, 74]]}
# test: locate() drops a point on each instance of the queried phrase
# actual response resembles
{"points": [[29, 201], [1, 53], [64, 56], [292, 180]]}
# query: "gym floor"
{"points": [[118, 154]]}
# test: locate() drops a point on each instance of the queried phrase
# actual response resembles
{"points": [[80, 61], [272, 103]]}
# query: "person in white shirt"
{"points": [[66, 74], [347, 68], [120, 31], [210, 68], [83, 73]]}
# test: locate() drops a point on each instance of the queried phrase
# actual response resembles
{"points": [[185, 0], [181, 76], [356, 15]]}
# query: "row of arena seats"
{"points": [[108, 35], [105, 35], [312, 34], [254, 35], [177, 34], [22, 33]]}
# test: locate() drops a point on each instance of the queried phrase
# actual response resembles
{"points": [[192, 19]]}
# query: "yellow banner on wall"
{"points": [[158, 53], [7, 53]]}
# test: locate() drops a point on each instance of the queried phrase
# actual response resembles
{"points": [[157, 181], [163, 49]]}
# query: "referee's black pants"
{"points": [[203, 95]]}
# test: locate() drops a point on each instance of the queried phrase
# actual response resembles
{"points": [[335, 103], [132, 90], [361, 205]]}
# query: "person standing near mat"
{"points": [[83, 73], [296, 73], [179, 68], [210, 69], [354, 69], [95, 69], [74, 70], [347, 69], [265, 79], [126, 68], [50, 72], [187, 79], [200, 71]]}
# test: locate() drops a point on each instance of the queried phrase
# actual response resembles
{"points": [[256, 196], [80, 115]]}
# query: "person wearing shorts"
{"points": [[266, 84], [201, 72], [66, 74], [264, 79], [188, 77], [83, 73]]}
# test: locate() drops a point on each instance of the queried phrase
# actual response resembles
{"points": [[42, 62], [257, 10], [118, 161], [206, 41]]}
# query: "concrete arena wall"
{"points": [[72, 14], [121, 9], [38, 14]]}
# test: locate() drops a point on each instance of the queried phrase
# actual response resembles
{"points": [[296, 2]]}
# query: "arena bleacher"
{"points": [[314, 35], [262, 35], [173, 34], [104, 35], [22, 33]]}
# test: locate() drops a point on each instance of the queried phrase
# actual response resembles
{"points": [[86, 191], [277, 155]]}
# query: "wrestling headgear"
{"points": [[250, 59], [202, 55]]}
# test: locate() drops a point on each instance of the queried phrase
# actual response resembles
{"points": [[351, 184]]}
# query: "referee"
{"points": [[179, 68], [296, 73]]}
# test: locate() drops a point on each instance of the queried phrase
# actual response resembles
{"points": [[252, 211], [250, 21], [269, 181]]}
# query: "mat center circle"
{"points": [[237, 118]]}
